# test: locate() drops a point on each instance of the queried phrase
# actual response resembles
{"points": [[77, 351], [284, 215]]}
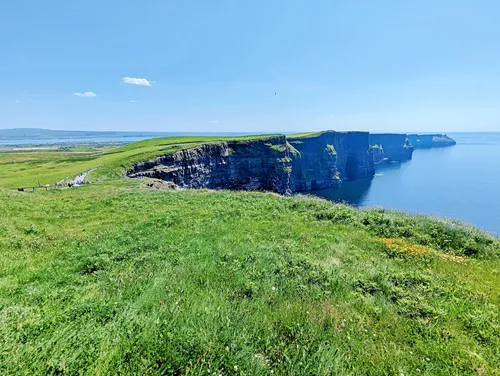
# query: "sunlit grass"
{"points": [[29, 169], [113, 278]]}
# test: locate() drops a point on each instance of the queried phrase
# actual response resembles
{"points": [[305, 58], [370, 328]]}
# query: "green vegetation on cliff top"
{"points": [[295, 136], [113, 278], [27, 168]]}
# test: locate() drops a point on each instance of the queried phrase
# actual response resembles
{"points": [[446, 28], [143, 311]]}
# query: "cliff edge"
{"points": [[282, 164], [390, 147], [255, 164]]}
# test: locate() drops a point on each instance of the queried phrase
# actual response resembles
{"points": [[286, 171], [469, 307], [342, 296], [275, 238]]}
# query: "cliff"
{"points": [[390, 147], [426, 141], [324, 160], [280, 164], [258, 164], [377, 152]]}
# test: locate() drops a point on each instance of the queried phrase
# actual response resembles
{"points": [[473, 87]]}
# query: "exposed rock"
{"points": [[390, 147], [160, 184], [325, 159], [377, 152], [427, 141], [354, 160], [321, 160], [257, 164]]}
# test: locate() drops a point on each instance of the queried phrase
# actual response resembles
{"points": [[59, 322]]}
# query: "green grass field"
{"points": [[112, 278], [27, 168]]}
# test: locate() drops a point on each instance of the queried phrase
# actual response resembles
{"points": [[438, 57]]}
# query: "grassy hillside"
{"points": [[44, 134], [27, 168], [113, 278]]}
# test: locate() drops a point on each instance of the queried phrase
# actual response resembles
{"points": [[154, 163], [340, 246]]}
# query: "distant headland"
{"points": [[427, 141]]}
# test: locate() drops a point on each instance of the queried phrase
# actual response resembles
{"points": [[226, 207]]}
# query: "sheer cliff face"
{"points": [[393, 147], [314, 163], [325, 160], [272, 164], [244, 165], [355, 160]]}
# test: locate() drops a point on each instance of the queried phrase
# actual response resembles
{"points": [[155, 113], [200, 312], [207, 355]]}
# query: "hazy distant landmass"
{"points": [[40, 133]]}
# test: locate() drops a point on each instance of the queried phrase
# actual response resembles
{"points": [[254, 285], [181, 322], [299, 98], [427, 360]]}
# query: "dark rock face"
{"points": [[244, 165], [355, 160], [390, 147], [427, 141], [271, 164], [314, 163]]}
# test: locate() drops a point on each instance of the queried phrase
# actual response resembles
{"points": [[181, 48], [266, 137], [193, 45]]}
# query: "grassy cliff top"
{"points": [[26, 168], [29, 168], [117, 279], [113, 278], [304, 135]]}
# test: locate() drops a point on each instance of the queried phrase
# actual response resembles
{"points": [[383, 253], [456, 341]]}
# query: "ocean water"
{"points": [[461, 182]]}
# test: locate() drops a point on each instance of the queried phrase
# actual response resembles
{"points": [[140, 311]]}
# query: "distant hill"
{"points": [[40, 133]]}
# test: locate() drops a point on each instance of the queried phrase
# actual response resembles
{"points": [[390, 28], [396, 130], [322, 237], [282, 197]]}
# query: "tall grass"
{"points": [[31, 168], [115, 279]]}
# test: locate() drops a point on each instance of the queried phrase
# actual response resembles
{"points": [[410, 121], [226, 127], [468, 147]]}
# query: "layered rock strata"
{"points": [[390, 147], [280, 164]]}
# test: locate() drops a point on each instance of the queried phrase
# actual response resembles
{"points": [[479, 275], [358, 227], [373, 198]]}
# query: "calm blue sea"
{"points": [[461, 182]]}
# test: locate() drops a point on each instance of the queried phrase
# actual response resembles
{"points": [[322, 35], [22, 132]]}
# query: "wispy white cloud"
{"points": [[132, 101], [214, 121], [86, 94], [19, 102], [137, 81]]}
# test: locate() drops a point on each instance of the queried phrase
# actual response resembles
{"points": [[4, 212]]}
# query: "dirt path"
{"points": [[79, 179]]}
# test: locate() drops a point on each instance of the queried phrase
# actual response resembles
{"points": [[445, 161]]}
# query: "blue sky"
{"points": [[216, 65]]}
